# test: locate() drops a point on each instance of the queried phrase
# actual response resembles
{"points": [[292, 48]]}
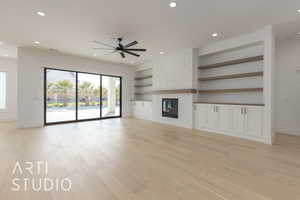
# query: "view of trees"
{"points": [[87, 92], [64, 88]]}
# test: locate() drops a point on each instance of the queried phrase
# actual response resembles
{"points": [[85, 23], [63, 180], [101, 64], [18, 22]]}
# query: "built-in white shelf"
{"points": [[143, 85], [233, 75]]}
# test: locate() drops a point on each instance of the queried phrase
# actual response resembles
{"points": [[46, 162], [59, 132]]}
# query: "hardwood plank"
{"points": [[125, 159], [229, 103], [233, 62], [143, 77], [232, 76], [232, 90]]}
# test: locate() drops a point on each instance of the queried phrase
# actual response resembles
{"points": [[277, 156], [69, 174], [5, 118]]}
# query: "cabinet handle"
{"points": [[242, 111], [246, 111]]}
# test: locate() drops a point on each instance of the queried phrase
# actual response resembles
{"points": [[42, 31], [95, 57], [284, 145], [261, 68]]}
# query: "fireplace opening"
{"points": [[170, 108]]}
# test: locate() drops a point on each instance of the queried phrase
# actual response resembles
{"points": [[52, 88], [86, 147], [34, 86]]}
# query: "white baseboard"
{"points": [[288, 130]]}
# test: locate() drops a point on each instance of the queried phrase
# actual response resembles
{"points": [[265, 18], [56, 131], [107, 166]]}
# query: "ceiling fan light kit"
{"points": [[121, 48]]}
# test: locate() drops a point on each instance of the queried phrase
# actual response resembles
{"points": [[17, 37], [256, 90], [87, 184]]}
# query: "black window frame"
{"points": [[76, 97]]}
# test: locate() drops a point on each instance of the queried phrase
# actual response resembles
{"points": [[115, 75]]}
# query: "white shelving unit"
{"points": [[143, 85], [142, 101], [230, 98], [232, 76]]}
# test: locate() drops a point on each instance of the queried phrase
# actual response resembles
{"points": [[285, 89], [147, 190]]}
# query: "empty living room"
{"points": [[150, 100]]}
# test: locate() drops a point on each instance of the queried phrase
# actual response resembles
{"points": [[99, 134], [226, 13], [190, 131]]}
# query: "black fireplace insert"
{"points": [[170, 108]]}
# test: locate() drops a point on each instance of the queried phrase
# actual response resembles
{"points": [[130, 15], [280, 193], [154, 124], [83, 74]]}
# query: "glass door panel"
{"points": [[88, 96], [111, 96], [60, 96]]}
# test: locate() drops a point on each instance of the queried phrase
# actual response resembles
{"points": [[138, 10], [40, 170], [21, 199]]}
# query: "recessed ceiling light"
{"points": [[1, 43], [36, 42], [173, 4], [95, 54], [41, 13], [215, 34], [5, 55], [161, 53], [298, 10]]}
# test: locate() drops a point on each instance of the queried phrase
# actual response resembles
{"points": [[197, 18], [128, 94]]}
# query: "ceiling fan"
{"points": [[120, 48]]}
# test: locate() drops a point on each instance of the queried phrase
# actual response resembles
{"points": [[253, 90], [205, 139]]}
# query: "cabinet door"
{"points": [[200, 115], [237, 120], [134, 110], [148, 110], [253, 121], [142, 110], [138, 109], [212, 117], [223, 117]]}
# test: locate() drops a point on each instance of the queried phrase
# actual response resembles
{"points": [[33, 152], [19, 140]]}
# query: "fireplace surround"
{"points": [[170, 107]]}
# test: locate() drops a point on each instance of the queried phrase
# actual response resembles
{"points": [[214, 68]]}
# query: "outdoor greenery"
{"points": [[64, 88], [88, 94]]}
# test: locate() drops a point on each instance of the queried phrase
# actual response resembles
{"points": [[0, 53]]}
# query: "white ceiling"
{"points": [[71, 25]]}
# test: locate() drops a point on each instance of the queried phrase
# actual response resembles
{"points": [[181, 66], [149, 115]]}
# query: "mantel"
{"points": [[175, 91]]}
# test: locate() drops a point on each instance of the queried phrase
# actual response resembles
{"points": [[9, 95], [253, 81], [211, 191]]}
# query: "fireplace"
{"points": [[170, 108]]}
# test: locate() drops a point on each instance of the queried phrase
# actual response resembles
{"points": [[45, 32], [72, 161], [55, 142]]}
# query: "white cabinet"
{"points": [[217, 117], [224, 117], [212, 117], [253, 122], [235, 120], [200, 116], [142, 110]]}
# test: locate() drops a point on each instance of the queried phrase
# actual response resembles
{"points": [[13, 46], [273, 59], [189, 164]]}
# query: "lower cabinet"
{"points": [[234, 120], [142, 110]]}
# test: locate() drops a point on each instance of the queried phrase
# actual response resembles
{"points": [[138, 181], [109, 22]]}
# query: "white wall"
{"points": [[174, 71], [10, 67], [31, 63], [287, 87]]}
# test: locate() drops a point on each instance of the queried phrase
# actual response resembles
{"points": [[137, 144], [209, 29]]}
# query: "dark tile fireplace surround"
{"points": [[170, 108]]}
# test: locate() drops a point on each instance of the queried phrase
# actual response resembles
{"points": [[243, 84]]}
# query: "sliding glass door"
{"points": [[77, 96], [60, 96], [111, 96], [88, 96]]}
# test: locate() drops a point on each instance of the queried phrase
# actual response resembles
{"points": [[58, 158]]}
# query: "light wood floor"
{"points": [[122, 159]]}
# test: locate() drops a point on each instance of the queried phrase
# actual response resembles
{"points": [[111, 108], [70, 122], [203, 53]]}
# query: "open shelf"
{"points": [[146, 85], [176, 91], [233, 62], [232, 90], [143, 77], [141, 100], [231, 76], [229, 103], [143, 93]]}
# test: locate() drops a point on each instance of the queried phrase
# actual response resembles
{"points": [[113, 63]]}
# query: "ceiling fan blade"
{"points": [[131, 44], [122, 54], [103, 48], [131, 53], [136, 49], [107, 45]]}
